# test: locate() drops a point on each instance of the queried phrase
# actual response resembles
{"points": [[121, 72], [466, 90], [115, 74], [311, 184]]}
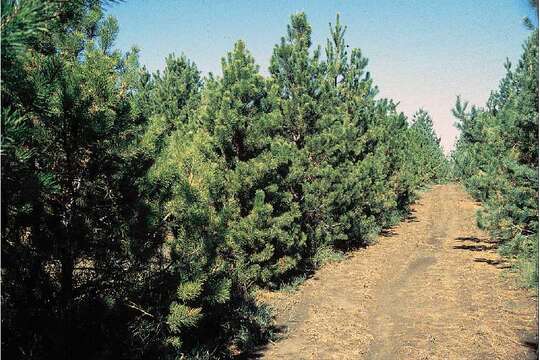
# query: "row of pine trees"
{"points": [[496, 157], [141, 212]]}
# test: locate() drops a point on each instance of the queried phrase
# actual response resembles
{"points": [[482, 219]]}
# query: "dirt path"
{"points": [[431, 288]]}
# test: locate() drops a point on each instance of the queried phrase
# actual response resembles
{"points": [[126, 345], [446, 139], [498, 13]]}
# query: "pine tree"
{"points": [[241, 116], [141, 212], [496, 157], [428, 162], [69, 216]]}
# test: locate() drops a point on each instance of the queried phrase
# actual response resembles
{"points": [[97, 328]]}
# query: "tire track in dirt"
{"points": [[431, 288], [388, 319]]}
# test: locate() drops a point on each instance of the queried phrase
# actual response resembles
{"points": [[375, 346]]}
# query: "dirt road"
{"points": [[433, 287]]}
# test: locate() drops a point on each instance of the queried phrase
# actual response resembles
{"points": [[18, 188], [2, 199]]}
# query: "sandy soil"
{"points": [[431, 288]]}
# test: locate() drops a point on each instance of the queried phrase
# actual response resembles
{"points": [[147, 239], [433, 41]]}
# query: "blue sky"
{"points": [[422, 53]]}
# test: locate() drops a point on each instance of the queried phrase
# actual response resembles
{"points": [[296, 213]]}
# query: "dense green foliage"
{"points": [[497, 158], [141, 212], [74, 237]]}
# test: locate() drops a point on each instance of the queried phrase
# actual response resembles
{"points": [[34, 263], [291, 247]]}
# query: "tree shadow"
{"points": [[257, 352], [530, 341], [476, 247], [482, 245], [411, 217], [475, 239], [388, 232], [498, 263]]}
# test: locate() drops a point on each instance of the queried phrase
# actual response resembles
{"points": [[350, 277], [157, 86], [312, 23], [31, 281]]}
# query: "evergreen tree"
{"points": [[197, 174], [241, 117], [496, 157], [141, 212], [72, 229], [429, 163]]}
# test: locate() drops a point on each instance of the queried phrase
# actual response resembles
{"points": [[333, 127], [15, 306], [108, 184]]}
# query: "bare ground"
{"points": [[431, 288]]}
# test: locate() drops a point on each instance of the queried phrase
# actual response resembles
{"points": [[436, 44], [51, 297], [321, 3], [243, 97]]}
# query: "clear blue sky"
{"points": [[422, 52]]}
